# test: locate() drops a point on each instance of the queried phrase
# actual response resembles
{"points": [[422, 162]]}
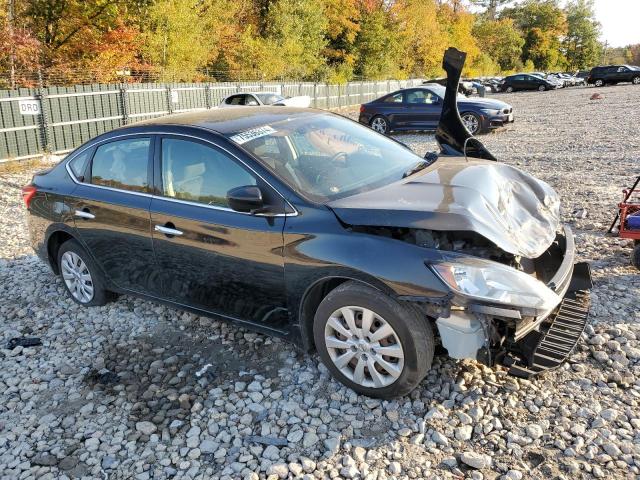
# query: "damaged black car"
{"points": [[306, 225]]}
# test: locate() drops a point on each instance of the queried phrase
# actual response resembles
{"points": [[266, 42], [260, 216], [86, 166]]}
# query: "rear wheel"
{"points": [[371, 343], [80, 275], [635, 80], [541, 88], [380, 124], [472, 122], [635, 255], [599, 83]]}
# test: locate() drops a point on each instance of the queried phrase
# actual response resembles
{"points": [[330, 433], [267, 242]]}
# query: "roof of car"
{"points": [[232, 120]]}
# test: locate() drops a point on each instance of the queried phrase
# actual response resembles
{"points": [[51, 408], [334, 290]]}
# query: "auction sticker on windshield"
{"points": [[248, 135]]}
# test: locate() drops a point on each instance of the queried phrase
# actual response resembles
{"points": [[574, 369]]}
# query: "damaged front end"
{"points": [[516, 295], [529, 321]]}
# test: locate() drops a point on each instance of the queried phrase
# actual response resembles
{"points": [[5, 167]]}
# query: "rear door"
{"points": [[209, 256], [111, 208]]}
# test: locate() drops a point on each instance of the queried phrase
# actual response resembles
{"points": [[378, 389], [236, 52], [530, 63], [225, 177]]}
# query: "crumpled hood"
{"points": [[509, 207]]}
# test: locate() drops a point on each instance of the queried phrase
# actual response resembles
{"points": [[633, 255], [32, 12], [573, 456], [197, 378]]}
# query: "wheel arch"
{"points": [[55, 240], [313, 296]]}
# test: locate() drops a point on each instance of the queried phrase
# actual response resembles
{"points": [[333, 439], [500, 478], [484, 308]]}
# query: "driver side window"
{"points": [[198, 173]]}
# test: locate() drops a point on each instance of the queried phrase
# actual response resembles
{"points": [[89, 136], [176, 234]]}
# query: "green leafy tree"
{"points": [[581, 46], [543, 25], [501, 41], [377, 46]]}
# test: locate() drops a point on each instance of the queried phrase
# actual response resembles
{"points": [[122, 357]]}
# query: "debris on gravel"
{"points": [[114, 391]]}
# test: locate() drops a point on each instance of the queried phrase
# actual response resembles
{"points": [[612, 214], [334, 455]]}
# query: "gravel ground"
{"points": [[121, 391]]}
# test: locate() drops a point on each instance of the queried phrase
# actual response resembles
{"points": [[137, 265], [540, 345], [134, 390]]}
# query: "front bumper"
{"points": [[499, 120], [549, 347]]}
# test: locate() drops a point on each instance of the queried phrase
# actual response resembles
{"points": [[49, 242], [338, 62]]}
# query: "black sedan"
{"points": [[419, 108], [525, 81], [306, 225]]}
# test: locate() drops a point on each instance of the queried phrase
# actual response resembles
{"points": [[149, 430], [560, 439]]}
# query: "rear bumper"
{"points": [[365, 118]]}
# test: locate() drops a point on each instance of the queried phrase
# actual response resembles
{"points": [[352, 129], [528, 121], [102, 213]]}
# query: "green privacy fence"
{"points": [[58, 119]]}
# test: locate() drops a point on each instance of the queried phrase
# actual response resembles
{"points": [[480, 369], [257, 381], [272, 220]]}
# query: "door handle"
{"points": [[85, 214], [167, 231]]}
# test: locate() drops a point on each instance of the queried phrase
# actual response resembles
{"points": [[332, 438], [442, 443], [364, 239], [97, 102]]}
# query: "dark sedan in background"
{"points": [[526, 81], [419, 108]]}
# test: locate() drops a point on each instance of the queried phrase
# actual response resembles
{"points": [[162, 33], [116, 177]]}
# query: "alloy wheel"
{"points": [[77, 277], [364, 347], [379, 124], [599, 83], [636, 80], [471, 122]]}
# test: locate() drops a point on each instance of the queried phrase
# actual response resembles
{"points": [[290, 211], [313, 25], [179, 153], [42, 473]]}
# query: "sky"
{"points": [[620, 21]]}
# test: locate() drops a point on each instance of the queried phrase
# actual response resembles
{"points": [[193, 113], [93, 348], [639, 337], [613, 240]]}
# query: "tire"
{"points": [[410, 337], [472, 122], [599, 83], [635, 80], [635, 255], [74, 259], [379, 124], [509, 89], [542, 88]]}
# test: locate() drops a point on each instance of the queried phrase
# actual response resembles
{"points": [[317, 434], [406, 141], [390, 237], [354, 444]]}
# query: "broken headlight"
{"points": [[493, 282]]}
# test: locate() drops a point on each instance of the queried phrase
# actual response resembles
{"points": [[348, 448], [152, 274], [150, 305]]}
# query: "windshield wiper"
{"points": [[421, 165]]}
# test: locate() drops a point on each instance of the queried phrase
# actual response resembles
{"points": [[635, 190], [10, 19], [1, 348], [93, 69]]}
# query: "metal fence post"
{"points": [[124, 105], [169, 102], [44, 122], [315, 94], [207, 96]]}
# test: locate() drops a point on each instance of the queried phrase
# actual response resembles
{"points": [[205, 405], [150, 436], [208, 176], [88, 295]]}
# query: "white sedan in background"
{"points": [[256, 99]]}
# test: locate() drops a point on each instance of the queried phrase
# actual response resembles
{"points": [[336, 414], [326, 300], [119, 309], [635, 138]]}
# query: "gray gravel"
{"points": [[113, 391]]}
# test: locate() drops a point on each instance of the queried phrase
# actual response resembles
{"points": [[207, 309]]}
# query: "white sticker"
{"points": [[29, 107], [249, 135], [174, 96]]}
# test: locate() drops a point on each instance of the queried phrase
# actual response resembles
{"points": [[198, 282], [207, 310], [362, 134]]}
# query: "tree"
{"points": [[491, 6], [543, 25], [343, 18], [377, 46], [501, 41], [177, 39], [581, 47]]}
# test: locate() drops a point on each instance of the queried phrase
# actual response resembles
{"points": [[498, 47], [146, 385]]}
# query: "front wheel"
{"points": [[380, 125], [599, 83], [542, 88], [472, 122], [80, 275], [371, 343], [509, 89], [635, 255]]}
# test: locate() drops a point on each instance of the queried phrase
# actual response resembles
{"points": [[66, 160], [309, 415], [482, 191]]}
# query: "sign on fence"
{"points": [[29, 107]]}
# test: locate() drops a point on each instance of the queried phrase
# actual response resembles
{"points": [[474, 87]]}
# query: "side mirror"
{"points": [[247, 199]]}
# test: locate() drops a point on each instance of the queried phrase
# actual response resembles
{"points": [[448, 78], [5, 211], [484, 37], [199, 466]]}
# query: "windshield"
{"points": [[325, 157], [269, 98]]}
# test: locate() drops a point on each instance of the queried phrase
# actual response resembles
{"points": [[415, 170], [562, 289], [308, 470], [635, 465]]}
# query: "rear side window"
{"points": [[122, 164], [198, 173], [235, 100], [79, 164], [397, 98]]}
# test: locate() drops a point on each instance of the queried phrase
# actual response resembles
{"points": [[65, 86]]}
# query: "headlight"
{"points": [[489, 111], [497, 283]]}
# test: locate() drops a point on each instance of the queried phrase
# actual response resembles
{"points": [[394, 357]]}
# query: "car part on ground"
{"points": [[307, 225]]}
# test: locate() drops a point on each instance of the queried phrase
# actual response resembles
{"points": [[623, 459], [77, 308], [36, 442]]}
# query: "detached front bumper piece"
{"points": [[549, 347]]}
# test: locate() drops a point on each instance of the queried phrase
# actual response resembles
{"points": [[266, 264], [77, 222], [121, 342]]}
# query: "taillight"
{"points": [[361, 108], [28, 192]]}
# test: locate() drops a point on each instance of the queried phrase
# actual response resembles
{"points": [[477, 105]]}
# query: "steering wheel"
{"points": [[340, 159]]}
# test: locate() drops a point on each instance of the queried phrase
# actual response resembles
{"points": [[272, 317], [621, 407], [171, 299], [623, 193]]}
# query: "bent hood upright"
{"points": [[507, 206]]}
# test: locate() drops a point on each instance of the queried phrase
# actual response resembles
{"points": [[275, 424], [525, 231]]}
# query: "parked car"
{"points": [[254, 99], [525, 81], [419, 108], [464, 87], [613, 74], [306, 225]]}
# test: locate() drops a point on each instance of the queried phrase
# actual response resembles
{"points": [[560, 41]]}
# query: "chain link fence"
{"points": [[56, 120]]}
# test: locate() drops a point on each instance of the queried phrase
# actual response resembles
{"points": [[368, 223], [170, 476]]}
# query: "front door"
{"points": [[209, 256], [111, 210], [424, 108]]}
